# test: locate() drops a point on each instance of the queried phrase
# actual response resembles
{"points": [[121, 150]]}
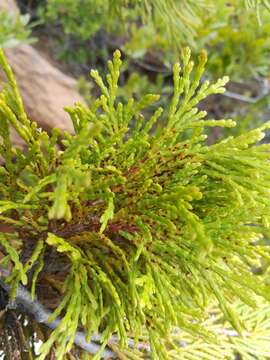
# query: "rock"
{"points": [[10, 6], [45, 90]]}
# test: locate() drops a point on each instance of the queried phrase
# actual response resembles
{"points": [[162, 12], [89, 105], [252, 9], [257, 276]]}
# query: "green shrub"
{"points": [[235, 35], [236, 43], [85, 17], [82, 18], [13, 30], [153, 223]]}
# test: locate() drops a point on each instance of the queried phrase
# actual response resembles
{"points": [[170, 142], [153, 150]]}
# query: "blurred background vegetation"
{"points": [[13, 31], [81, 34]]}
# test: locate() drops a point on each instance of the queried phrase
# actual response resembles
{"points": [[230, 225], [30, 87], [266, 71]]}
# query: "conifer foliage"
{"points": [[150, 222]]}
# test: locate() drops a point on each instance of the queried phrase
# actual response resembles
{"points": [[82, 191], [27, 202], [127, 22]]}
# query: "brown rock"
{"points": [[45, 89], [10, 6]]}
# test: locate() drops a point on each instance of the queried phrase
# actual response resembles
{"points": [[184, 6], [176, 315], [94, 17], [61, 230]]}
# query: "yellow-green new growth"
{"points": [[148, 221]]}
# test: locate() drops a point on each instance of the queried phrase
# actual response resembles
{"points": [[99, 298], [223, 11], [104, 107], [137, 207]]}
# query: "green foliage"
{"points": [[236, 43], [154, 223], [257, 4], [13, 30], [253, 344], [235, 33], [85, 18]]}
